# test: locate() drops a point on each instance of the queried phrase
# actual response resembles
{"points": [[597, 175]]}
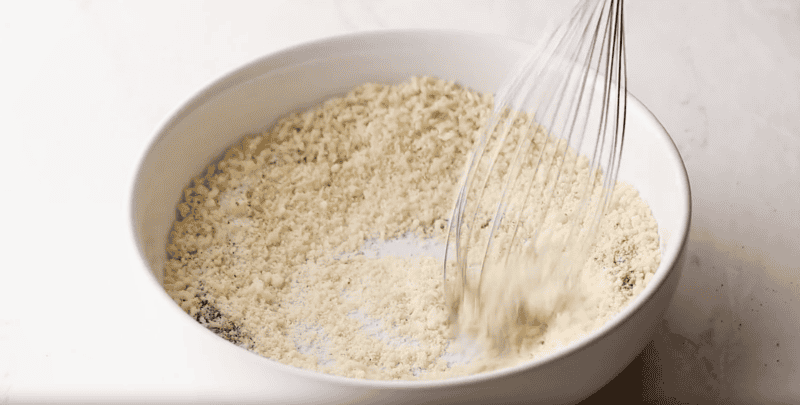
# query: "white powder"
{"points": [[269, 248]]}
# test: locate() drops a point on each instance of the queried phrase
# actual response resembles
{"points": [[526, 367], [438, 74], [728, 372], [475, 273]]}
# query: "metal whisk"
{"points": [[567, 98]]}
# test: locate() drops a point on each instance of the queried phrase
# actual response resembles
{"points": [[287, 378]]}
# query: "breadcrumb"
{"points": [[268, 247]]}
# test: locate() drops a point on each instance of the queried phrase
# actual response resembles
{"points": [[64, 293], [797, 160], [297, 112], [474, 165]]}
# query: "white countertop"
{"points": [[84, 84]]}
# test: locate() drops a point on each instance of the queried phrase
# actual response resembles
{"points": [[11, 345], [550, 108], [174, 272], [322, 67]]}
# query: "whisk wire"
{"points": [[557, 85]]}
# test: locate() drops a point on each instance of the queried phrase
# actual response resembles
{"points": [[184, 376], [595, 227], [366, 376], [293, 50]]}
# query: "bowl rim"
{"points": [[280, 58]]}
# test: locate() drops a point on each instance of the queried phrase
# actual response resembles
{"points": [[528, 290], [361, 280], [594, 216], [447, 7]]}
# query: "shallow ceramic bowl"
{"points": [[251, 98]]}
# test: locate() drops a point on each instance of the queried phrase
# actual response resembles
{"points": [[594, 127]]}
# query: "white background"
{"points": [[84, 84]]}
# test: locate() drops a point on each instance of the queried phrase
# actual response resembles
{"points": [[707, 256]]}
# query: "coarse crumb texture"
{"points": [[267, 248]]}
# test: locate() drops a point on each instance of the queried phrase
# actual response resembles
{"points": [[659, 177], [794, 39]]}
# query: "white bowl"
{"points": [[251, 98]]}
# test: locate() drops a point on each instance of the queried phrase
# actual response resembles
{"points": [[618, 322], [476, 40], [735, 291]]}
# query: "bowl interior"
{"points": [[251, 98]]}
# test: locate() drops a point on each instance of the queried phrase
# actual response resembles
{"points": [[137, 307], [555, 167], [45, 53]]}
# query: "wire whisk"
{"points": [[539, 178]]}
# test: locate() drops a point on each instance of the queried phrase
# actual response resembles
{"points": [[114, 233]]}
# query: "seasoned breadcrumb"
{"points": [[266, 247]]}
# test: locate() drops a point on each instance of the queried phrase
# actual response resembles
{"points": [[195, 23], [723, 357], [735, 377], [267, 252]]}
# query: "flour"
{"points": [[272, 248]]}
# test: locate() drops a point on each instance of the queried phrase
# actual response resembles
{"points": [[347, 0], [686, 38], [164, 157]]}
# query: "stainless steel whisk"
{"points": [[570, 89]]}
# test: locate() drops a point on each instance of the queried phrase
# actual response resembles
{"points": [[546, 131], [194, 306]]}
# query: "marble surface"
{"points": [[84, 85]]}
